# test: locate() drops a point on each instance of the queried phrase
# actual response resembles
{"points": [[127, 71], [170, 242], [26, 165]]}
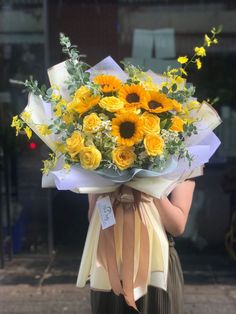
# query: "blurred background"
{"points": [[37, 223]]}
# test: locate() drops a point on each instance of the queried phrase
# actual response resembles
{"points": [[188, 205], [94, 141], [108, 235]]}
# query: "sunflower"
{"points": [[134, 96], [128, 128], [108, 83], [158, 102]]}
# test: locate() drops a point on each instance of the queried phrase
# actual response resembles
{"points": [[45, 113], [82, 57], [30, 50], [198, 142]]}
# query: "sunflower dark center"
{"points": [[127, 129], [152, 104], [133, 97]]}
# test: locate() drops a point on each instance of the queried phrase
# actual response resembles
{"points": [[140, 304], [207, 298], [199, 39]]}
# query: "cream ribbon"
{"points": [[125, 201], [129, 255]]}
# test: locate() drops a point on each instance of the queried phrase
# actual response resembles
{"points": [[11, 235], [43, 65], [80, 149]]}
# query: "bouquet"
{"points": [[114, 132]]}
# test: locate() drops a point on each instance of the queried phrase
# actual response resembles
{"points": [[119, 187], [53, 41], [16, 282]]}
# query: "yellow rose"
{"points": [[111, 104], [83, 100], [91, 123], [90, 157], [177, 124], [74, 144], [82, 92], [123, 157], [154, 144], [151, 123]]}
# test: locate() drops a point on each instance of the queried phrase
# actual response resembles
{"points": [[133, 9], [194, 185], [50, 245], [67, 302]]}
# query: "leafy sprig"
{"points": [[33, 86], [77, 69]]}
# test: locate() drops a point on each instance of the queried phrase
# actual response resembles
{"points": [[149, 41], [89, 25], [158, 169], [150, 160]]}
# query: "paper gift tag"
{"points": [[105, 212]]}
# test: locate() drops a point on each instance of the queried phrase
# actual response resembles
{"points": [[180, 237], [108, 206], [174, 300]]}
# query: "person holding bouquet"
{"points": [[129, 139], [174, 213]]}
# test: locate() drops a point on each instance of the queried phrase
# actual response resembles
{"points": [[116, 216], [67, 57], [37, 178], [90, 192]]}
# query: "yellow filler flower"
{"points": [[182, 60], [200, 51]]}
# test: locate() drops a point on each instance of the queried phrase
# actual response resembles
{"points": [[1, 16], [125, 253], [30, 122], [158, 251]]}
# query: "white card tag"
{"points": [[105, 212]]}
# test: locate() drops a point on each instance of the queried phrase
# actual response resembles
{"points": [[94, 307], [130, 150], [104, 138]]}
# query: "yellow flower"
{"points": [[154, 144], [177, 124], [91, 123], [49, 163], [25, 116], [133, 96], [178, 80], [183, 71], [60, 147], [207, 40], [128, 128], [111, 104], [158, 102], [82, 92], [182, 60], [67, 167], [193, 104], [108, 83], [149, 85], [56, 92], [215, 41], [198, 63], [59, 107], [176, 105], [151, 123], [83, 100], [123, 157], [16, 123], [200, 51], [74, 144], [68, 117], [90, 157], [28, 132], [44, 130]]}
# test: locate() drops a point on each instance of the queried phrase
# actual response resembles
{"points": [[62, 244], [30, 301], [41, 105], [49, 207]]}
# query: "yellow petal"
{"points": [[182, 60]]}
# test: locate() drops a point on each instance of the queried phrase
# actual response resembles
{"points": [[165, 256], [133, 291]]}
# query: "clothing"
{"points": [[156, 301]]}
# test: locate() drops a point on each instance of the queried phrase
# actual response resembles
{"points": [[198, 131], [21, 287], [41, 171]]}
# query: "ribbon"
{"points": [[116, 250]]}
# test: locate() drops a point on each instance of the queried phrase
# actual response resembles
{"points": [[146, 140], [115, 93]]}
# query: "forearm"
{"points": [[172, 217], [174, 212]]}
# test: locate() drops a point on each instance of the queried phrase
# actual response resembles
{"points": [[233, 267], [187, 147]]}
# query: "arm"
{"points": [[174, 213]]}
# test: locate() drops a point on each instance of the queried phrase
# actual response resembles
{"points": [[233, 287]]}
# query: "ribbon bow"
{"points": [[116, 246]]}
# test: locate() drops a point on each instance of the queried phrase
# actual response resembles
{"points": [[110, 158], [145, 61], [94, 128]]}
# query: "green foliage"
{"points": [[76, 68]]}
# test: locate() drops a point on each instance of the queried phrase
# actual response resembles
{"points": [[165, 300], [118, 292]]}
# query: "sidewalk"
{"points": [[31, 284]]}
